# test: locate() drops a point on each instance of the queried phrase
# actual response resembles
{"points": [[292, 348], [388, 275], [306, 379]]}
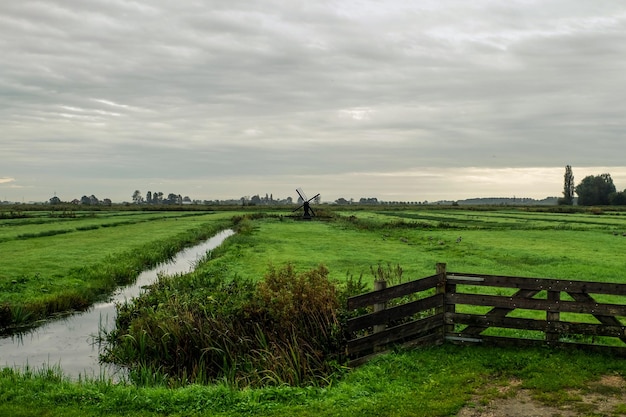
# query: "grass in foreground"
{"points": [[436, 381]]}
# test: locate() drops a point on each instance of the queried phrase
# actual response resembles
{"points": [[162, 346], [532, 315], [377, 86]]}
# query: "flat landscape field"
{"points": [[54, 261], [518, 242], [44, 255]]}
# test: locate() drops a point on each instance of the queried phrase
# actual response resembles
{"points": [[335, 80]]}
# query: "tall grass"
{"points": [[284, 329]]}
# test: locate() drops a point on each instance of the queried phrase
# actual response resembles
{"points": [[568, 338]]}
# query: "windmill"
{"points": [[306, 204]]}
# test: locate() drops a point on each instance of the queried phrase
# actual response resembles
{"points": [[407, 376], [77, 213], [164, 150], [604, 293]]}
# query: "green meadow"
{"points": [[509, 242], [50, 256], [56, 262]]}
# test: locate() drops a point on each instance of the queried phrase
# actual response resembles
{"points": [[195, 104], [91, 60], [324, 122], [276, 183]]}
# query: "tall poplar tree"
{"points": [[568, 188]]}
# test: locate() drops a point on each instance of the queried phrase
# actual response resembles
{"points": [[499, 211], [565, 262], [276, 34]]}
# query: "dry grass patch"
{"points": [[605, 397]]}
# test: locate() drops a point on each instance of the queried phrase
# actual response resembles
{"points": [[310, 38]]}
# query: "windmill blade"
{"points": [[301, 194], [313, 198], [299, 207], [311, 210]]}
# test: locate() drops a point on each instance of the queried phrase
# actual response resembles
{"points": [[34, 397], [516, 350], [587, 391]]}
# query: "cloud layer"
{"points": [[220, 99]]}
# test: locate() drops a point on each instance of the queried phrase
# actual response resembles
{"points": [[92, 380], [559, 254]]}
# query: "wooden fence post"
{"points": [[379, 284], [441, 289], [552, 317]]}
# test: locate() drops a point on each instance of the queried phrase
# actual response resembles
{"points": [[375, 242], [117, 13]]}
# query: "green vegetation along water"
{"points": [[54, 264], [71, 341]]}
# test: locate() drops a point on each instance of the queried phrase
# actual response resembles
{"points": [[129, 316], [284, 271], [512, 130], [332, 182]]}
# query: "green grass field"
{"points": [[51, 264], [425, 382], [577, 246]]}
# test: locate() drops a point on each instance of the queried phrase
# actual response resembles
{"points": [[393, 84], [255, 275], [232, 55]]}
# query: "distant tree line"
{"points": [[92, 200], [268, 200], [374, 201], [158, 197], [593, 190]]}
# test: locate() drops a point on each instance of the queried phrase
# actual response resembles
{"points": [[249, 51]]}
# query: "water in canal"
{"points": [[70, 342]]}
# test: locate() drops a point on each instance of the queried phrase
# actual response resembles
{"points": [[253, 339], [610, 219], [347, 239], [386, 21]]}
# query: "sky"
{"points": [[401, 100]]}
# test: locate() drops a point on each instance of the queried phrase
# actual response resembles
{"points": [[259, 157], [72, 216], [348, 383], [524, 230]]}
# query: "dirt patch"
{"points": [[606, 397]]}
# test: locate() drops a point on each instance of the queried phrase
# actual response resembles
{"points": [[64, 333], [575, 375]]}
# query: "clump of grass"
{"points": [[284, 329], [88, 227], [45, 233], [391, 274]]}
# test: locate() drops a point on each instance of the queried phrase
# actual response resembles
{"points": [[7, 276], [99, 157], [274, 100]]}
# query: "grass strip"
{"points": [[432, 382]]}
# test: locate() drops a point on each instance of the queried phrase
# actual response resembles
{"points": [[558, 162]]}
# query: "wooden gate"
{"points": [[490, 309]]}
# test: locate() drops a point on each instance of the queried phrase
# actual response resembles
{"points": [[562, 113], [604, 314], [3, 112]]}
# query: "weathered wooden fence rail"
{"points": [[442, 308]]}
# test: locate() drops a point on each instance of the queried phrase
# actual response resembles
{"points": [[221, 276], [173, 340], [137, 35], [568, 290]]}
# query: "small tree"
{"points": [[137, 198], [568, 188]]}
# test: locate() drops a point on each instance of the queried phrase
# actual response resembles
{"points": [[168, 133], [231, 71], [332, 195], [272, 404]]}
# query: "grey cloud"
{"points": [[122, 89]]}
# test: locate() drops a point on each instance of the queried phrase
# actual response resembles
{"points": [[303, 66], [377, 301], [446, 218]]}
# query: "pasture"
{"points": [[509, 242], [351, 244]]}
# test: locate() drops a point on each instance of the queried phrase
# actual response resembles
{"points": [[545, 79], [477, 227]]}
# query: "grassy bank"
{"points": [[52, 265]]}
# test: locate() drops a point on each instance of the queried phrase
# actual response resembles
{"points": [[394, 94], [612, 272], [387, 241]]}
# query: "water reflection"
{"points": [[70, 343]]}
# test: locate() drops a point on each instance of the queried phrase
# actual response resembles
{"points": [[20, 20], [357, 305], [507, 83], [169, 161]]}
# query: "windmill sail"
{"points": [[301, 194]]}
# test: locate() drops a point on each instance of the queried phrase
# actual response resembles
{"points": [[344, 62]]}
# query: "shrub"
{"points": [[202, 327]]}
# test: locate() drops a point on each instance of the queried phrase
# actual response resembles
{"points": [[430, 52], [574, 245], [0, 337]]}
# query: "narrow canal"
{"points": [[71, 342]]}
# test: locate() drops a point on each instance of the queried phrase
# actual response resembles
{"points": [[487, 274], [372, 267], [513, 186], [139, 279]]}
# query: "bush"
{"points": [[202, 327]]}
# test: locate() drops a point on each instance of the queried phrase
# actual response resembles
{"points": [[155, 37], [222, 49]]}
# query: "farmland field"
{"points": [[45, 254], [54, 261], [508, 242]]}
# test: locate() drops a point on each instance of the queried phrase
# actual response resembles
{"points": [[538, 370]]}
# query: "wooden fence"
{"points": [[459, 308]]}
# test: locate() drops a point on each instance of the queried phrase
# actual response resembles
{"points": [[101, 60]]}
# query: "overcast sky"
{"points": [[399, 100]]}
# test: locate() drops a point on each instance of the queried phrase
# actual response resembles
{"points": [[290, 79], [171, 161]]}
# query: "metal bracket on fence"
{"points": [[463, 339], [464, 278]]}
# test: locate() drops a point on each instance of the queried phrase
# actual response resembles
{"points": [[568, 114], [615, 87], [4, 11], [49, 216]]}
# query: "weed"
{"points": [[20, 315]]}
